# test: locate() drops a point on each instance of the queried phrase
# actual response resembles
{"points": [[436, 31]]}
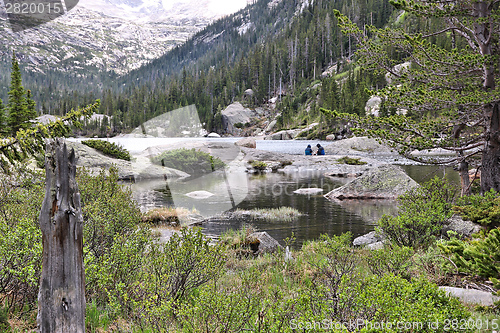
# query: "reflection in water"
{"points": [[320, 216]]}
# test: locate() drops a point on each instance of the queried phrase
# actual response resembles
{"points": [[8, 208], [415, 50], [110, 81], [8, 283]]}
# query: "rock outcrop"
{"points": [[236, 114], [383, 182], [140, 168]]}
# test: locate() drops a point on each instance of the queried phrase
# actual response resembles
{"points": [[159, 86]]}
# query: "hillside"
{"points": [[272, 47]]}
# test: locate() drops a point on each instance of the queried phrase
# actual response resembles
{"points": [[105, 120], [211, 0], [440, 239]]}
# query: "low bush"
{"points": [[482, 209], [350, 161], [422, 213], [393, 259], [259, 165], [481, 256], [191, 161], [108, 148]]}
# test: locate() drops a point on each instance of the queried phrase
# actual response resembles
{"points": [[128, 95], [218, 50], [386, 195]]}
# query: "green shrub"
{"points": [[4, 323], [422, 214], [481, 256], [21, 196], [392, 299], [259, 165], [393, 259], [350, 161], [191, 161], [108, 148], [482, 209], [108, 209]]}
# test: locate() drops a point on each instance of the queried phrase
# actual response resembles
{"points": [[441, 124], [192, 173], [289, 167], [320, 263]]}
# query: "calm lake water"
{"points": [[245, 191]]}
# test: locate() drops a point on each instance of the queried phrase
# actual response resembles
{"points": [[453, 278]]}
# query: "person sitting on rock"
{"points": [[321, 150], [309, 150]]}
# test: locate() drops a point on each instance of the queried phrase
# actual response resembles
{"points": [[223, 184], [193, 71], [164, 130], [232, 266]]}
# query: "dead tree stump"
{"points": [[61, 299]]}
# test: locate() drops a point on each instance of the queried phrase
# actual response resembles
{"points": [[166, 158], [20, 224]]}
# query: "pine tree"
{"points": [[30, 106], [19, 114], [3, 124], [457, 81]]}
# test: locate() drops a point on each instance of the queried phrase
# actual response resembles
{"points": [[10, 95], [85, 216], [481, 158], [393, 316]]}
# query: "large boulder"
{"points": [[372, 106], [383, 182], [262, 242], [247, 142], [236, 114]]}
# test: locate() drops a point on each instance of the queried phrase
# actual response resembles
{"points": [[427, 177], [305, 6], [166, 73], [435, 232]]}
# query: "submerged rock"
{"points": [[383, 182], [199, 194], [309, 191]]}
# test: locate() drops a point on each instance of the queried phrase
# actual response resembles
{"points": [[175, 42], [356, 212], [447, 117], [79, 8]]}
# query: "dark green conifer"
{"points": [[18, 107]]}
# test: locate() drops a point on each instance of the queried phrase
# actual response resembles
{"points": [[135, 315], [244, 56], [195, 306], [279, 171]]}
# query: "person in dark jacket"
{"points": [[309, 150], [321, 150]]}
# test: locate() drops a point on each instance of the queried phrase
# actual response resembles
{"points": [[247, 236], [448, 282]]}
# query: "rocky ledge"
{"points": [[140, 168]]}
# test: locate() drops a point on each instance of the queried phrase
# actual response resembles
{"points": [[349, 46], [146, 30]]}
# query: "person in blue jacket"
{"points": [[321, 150], [309, 150]]}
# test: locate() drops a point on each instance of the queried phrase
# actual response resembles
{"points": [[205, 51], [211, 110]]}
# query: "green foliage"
{"points": [[259, 165], [20, 239], [393, 259], [223, 308], [350, 161], [386, 299], [96, 318], [481, 256], [108, 210], [4, 324], [191, 161], [31, 141], [440, 55], [422, 213], [108, 148], [482, 209]]}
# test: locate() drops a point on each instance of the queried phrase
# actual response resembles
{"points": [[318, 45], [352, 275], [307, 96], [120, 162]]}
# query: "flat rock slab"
{"points": [[472, 296], [382, 182], [199, 195], [309, 191]]}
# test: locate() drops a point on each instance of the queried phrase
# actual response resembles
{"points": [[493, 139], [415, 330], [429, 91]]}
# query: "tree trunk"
{"points": [[61, 299], [490, 164], [463, 170]]}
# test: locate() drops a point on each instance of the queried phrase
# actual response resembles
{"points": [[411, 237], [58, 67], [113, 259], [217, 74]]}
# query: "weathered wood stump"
{"points": [[61, 299]]}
